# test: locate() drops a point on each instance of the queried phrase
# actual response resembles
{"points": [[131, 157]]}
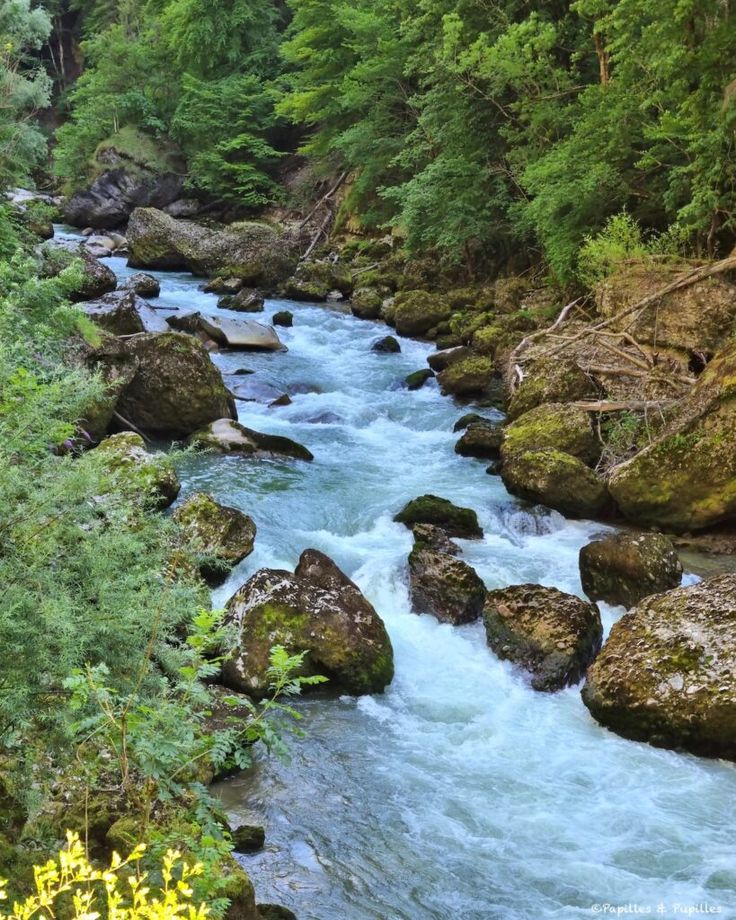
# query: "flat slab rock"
{"points": [[317, 609], [228, 436], [667, 672], [552, 635]]}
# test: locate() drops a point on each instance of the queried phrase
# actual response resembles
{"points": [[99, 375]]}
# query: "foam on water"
{"points": [[459, 794]]}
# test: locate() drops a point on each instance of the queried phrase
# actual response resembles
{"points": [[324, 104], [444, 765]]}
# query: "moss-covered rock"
{"points": [[441, 360], [471, 374], [387, 345], [366, 303], [221, 535], [247, 300], [132, 469], [317, 610], [418, 312], [667, 672], [553, 635], [482, 440], [251, 251], [124, 313], [275, 912], [234, 884], [314, 281], [429, 509], [444, 585], [142, 284], [97, 278], [624, 568], [550, 380], [227, 436], [283, 318], [417, 379], [553, 426], [558, 480], [176, 389], [686, 478], [248, 838]]}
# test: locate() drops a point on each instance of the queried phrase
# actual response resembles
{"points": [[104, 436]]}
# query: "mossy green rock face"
{"points": [[667, 672], [236, 886], [552, 427], [124, 313], [252, 252], [223, 535], [444, 586], [686, 479], [550, 380], [228, 436], [471, 374], [366, 303], [552, 635], [418, 312], [430, 509], [558, 480], [149, 476], [625, 568], [248, 838], [441, 360], [319, 610], [417, 380], [97, 278], [482, 440], [316, 280], [176, 388]]}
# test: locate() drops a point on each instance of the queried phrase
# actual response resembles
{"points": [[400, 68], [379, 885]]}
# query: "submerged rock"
{"points": [[228, 436], [624, 568], [275, 912], [558, 480], [440, 583], [467, 376], [317, 609], [553, 427], [453, 519], [481, 440], [417, 380], [142, 284], [388, 345], [667, 672], [552, 635], [224, 536], [135, 471]]}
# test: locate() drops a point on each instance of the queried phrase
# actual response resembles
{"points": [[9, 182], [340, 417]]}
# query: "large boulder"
{"points": [[558, 480], [176, 389], [466, 376], [553, 426], [243, 334], [318, 610], [419, 312], [253, 252], [366, 303], [143, 284], [453, 519], [552, 635], [550, 380], [439, 582], [667, 672], [623, 569], [151, 478], [97, 278], [481, 439], [229, 437], [222, 536], [124, 313], [686, 478]]}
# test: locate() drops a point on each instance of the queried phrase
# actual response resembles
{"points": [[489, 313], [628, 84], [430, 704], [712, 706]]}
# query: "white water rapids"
{"points": [[460, 793]]}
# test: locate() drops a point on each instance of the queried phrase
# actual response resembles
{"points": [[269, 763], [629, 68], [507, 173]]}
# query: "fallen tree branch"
{"points": [[127, 424], [632, 405], [532, 337], [323, 199]]}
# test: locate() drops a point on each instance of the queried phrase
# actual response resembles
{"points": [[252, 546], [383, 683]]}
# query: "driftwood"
{"points": [[128, 424], [630, 405]]}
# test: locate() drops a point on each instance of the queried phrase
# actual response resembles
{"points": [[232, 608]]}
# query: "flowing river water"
{"points": [[460, 793]]}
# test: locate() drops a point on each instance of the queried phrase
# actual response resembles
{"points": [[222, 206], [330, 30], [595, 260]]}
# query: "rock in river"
{"points": [[453, 519], [553, 635], [124, 313], [553, 427], [228, 436], [558, 480], [440, 583], [667, 672], [221, 535], [482, 440], [388, 345], [317, 609], [143, 284], [624, 568]]}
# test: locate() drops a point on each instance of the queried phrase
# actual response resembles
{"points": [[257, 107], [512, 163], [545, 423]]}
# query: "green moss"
{"points": [[553, 426], [429, 509]]}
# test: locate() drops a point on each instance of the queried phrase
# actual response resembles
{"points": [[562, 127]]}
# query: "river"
{"points": [[460, 793]]}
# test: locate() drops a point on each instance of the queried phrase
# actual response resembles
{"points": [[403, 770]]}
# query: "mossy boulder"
{"points": [[251, 251], [229, 437], [124, 313], [469, 375], [142, 284], [317, 609], [667, 672], [686, 478], [550, 380], [441, 360], [132, 469], [97, 278], [222, 536], [417, 379], [366, 303], [553, 426], [418, 312], [453, 519], [623, 569], [176, 389], [248, 838], [247, 300], [283, 318], [552, 635], [442, 584], [387, 345], [234, 884], [316, 280], [481, 439], [558, 480]]}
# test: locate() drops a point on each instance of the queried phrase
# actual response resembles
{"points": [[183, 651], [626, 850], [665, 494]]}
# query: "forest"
{"points": [[539, 198]]}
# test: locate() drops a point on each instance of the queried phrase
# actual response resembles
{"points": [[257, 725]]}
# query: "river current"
{"points": [[460, 793]]}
